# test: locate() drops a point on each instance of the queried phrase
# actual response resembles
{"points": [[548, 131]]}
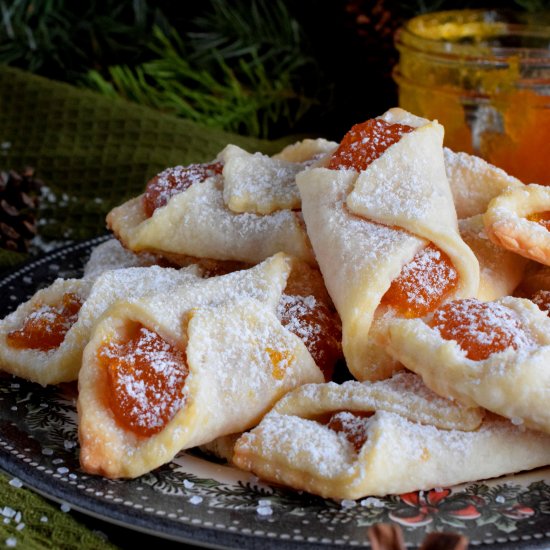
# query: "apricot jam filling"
{"points": [[172, 181], [45, 328], [353, 425], [423, 284], [365, 142], [145, 380], [542, 218], [542, 299], [316, 325], [480, 328]]}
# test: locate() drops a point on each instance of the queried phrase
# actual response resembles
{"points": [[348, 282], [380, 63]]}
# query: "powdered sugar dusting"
{"points": [[481, 328], [112, 255], [258, 183], [173, 181], [542, 299], [147, 380], [314, 324]]}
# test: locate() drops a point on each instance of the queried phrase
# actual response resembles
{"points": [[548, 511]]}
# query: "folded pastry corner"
{"points": [[43, 339], [519, 220], [176, 370], [378, 438], [307, 150], [492, 354], [474, 182], [382, 223]]}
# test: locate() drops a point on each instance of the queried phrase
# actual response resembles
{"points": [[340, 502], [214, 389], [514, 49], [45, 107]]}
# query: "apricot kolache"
{"points": [[492, 354], [381, 219], [387, 437], [44, 338], [380, 251], [175, 370], [241, 207]]}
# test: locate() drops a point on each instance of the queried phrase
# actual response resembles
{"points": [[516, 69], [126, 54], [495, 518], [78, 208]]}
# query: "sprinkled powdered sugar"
{"points": [[474, 182], [379, 241], [147, 382], [365, 142], [212, 230], [423, 283], [175, 180], [258, 183], [314, 324], [295, 309], [481, 328], [426, 275], [353, 426], [304, 440], [112, 255], [542, 299]]}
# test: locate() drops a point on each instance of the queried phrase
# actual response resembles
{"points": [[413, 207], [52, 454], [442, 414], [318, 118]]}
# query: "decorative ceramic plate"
{"points": [[195, 500]]}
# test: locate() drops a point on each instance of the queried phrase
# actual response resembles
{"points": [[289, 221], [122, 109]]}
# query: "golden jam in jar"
{"points": [[485, 76]]}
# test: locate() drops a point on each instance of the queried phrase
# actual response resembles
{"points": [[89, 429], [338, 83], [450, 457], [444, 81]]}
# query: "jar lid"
{"points": [[479, 34]]}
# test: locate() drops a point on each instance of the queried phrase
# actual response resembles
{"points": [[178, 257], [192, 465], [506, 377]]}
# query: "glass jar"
{"points": [[484, 75]]}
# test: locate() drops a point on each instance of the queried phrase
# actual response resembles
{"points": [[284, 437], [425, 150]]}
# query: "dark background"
{"points": [[329, 62]]}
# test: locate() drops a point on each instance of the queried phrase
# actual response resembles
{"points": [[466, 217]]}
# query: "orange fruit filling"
{"points": [[46, 327], [365, 142], [423, 284], [175, 180], [318, 327], [479, 328], [542, 218], [353, 425], [542, 299], [145, 380]]}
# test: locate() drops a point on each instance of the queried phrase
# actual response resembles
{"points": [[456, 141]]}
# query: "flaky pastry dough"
{"points": [[507, 224], [364, 227], [406, 447], [240, 359], [514, 383], [474, 182], [245, 214]]}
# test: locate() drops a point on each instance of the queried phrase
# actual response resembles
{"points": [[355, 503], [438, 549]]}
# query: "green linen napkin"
{"points": [[93, 152], [29, 522]]}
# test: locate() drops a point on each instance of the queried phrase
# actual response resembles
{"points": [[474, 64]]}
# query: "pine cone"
{"points": [[375, 23], [18, 204]]}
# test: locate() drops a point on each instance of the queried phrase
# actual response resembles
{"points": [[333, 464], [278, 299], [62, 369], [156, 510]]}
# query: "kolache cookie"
{"points": [[241, 207], [519, 220], [376, 438], [492, 354], [43, 339], [176, 370], [380, 216]]}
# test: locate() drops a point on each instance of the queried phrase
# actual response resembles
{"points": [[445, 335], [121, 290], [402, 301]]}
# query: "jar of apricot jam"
{"points": [[484, 75]]}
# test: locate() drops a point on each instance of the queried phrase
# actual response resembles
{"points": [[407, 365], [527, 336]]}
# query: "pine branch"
{"points": [[242, 99], [534, 6]]}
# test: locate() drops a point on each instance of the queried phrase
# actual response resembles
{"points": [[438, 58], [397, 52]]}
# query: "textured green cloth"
{"points": [[41, 524], [93, 152]]}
